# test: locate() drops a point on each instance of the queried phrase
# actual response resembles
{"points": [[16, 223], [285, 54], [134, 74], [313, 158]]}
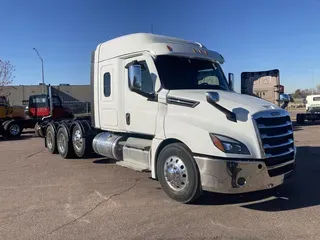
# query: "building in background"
{"points": [[77, 97]]}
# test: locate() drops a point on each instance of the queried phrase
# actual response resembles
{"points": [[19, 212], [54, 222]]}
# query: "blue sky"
{"points": [[251, 35]]}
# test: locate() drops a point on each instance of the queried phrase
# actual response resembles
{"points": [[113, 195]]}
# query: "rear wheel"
{"points": [[300, 118], [38, 131], [51, 140], [64, 144], [81, 145], [14, 129], [178, 173]]}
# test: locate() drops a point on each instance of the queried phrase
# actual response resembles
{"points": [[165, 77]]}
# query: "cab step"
{"points": [[136, 154]]}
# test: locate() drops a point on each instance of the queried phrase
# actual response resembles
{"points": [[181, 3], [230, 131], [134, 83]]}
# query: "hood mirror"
{"points": [[213, 97]]}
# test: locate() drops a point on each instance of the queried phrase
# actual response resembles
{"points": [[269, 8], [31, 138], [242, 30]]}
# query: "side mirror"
{"points": [[284, 97], [231, 81], [135, 79], [213, 97]]}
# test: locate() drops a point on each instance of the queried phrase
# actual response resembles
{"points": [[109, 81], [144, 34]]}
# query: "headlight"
{"points": [[229, 145]]}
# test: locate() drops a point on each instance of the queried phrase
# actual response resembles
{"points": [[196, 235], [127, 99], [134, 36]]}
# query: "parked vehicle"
{"points": [[10, 112], [265, 85], [312, 110], [4, 107], [164, 105], [38, 110]]}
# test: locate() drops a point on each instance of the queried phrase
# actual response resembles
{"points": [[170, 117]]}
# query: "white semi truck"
{"points": [[312, 110], [164, 105]]}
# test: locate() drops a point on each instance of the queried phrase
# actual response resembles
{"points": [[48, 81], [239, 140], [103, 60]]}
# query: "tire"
{"points": [[51, 140], [188, 188], [300, 118], [37, 130], [81, 145], [36, 133], [14, 129], [64, 143]]}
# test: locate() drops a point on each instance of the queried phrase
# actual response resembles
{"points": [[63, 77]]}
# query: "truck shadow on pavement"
{"points": [[22, 137], [104, 161], [298, 127], [301, 192]]}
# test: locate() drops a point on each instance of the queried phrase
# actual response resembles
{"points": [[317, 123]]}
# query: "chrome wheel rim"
{"points": [[14, 129], [49, 140], [176, 173], [77, 140], [61, 142]]}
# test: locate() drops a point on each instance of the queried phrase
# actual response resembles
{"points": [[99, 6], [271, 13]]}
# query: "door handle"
{"points": [[128, 118]]}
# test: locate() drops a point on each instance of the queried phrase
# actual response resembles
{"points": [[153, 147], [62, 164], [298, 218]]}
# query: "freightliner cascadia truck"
{"points": [[164, 105]]}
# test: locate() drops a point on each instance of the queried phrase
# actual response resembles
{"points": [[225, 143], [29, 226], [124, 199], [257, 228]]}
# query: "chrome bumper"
{"points": [[230, 176]]}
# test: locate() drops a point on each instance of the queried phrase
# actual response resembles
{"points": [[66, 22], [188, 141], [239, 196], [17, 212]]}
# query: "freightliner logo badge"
{"points": [[275, 113]]}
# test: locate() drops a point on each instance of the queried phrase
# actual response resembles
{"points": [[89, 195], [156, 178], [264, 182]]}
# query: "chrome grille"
{"points": [[276, 137]]}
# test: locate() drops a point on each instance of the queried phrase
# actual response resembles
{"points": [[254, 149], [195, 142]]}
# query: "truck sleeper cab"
{"points": [[164, 105]]}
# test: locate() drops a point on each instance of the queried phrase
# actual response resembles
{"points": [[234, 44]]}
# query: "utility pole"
{"points": [[312, 80], [42, 89]]}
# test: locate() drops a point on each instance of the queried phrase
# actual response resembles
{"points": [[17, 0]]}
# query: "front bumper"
{"points": [[231, 176]]}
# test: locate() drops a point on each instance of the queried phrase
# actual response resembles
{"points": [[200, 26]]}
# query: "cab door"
{"points": [[263, 84], [140, 111]]}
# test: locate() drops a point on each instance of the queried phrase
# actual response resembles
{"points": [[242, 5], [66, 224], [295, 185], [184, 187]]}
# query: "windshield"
{"points": [[56, 101], [187, 73], [43, 101], [3, 101]]}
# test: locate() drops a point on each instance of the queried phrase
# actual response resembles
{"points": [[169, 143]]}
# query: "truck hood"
{"points": [[232, 101]]}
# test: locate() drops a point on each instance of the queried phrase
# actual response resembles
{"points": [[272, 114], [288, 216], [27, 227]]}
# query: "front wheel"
{"points": [[178, 173], [14, 129]]}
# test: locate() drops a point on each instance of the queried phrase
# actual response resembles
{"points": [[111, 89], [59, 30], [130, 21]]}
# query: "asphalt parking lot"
{"points": [[43, 196]]}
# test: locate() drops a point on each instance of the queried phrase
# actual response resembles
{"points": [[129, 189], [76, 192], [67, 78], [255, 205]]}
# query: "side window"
{"points": [[147, 83], [107, 84]]}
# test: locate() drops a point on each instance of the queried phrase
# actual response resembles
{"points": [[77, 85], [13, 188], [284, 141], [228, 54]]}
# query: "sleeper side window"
{"points": [[107, 84]]}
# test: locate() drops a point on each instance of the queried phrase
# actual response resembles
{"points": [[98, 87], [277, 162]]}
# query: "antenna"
{"points": [[152, 28]]}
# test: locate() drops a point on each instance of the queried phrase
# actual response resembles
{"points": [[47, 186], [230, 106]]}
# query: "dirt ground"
{"points": [[43, 196]]}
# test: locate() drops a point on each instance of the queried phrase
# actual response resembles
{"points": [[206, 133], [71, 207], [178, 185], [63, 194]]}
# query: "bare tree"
{"points": [[6, 73]]}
